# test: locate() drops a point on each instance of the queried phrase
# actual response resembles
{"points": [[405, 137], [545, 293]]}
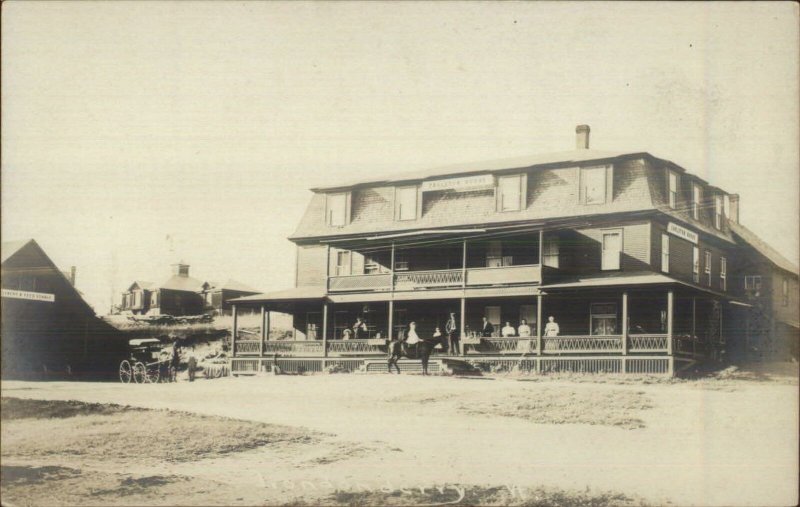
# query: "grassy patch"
{"points": [[17, 408], [122, 435], [477, 495], [564, 405]]}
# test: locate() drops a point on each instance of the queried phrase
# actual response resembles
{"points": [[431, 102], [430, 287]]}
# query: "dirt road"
{"points": [[691, 443]]}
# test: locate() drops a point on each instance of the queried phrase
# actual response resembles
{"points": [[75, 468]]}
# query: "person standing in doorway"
{"points": [[487, 329], [359, 329], [453, 337], [551, 328], [524, 329]]}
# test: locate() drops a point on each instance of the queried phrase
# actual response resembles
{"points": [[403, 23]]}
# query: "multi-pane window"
{"points": [[337, 209], [723, 273], [509, 193], [593, 185], [665, 253], [603, 319], [550, 252], [697, 198], [342, 263], [785, 291], [695, 264], [708, 268], [718, 210], [673, 189], [752, 282], [407, 203], [612, 247]]}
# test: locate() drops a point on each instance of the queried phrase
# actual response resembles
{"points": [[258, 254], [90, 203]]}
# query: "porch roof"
{"points": [[293, 295], [631, 279]]}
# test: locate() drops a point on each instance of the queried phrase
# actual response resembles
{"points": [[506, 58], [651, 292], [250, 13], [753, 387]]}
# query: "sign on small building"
{"points": [[25, 294]]}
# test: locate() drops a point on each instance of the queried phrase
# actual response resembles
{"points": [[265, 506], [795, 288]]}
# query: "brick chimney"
{"points": [[582, 137], [180, 269], [733, 208]]}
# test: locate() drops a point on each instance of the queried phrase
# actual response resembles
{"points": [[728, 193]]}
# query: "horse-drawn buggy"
{"points": [[145, 361]]}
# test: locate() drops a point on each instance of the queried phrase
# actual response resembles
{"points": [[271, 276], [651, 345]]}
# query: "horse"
{"points": [[398, 349]]}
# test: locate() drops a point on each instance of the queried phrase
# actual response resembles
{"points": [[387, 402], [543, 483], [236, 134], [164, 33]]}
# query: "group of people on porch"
{"points": [[411, 337]]}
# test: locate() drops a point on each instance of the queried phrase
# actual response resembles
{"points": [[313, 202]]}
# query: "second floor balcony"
{"points": [[465, 263]]}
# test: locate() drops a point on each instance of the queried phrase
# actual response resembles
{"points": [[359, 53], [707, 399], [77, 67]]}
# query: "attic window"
{"points": [[336, 209], [697, 198], [595, 184], [511, 192], [406, 203], [673, 189]]}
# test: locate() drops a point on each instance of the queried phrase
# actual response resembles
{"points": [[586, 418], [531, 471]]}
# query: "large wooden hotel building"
{"points": [[643, 266]]}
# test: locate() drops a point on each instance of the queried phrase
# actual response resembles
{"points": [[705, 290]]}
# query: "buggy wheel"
{"points": [[125, 372], [154, 374], [139, 373]]}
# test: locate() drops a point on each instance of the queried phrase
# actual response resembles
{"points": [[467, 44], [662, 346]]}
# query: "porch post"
{"points": [[624, 323], [325, 330], [264, 327], [391, 273], [539, 324], [464, 265], [234, 330], [390, 331], [463, 332], [670, 304]]}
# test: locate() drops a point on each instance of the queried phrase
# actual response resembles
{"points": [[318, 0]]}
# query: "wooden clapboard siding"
{"points": [[311, 265]]}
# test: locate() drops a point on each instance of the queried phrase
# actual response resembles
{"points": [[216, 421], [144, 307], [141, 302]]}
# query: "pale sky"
{"points": [[139, 134]]}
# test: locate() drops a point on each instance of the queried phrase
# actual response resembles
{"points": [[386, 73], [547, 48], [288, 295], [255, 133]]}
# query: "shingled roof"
{"points": [[763, 248]]}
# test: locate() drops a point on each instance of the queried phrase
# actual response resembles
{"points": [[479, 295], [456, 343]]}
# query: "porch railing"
{"points": [[578, 344], [248, 347], [411, 280], [353, 347], [689, 346], [504, 346], [648, 342], [360, 282], [291, 348]]}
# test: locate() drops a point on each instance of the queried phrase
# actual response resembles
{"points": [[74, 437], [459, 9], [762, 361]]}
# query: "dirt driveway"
{"points": [[688, 443]]}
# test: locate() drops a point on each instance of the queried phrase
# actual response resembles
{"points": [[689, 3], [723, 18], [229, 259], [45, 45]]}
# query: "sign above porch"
{"points": [[463, 184], [682, 232]]}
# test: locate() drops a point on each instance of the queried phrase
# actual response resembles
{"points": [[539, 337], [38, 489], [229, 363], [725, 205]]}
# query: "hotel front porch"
{"points": [[670, 326]]}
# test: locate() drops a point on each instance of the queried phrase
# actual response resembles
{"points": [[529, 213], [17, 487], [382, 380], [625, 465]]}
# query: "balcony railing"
{"points": [[248, 347], [413, 280], [381, 281], [531, 273], [436, 279]]}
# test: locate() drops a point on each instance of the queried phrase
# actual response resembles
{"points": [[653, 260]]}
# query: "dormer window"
{"points": [[673, 189], [511, 192], [697, 198], [718, 211], [595, 184], [406, 203], [337, 207]]}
